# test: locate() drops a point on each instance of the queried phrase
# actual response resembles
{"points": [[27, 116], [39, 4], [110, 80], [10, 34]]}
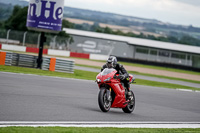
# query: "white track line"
{"points": [[187, 90], [102, 124]]}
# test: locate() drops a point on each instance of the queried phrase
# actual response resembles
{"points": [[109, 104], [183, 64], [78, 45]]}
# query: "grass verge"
{"points": [[129, 64], [160, 68], [93, 130], [164, 85], [144, 74], [79, 74], [164, 77]]}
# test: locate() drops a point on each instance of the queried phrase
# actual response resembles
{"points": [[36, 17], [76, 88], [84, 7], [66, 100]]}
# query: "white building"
{"points": [[135, 48]]}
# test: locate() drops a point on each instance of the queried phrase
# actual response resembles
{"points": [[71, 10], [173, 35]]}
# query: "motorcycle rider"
{"points": [[123, 74]]}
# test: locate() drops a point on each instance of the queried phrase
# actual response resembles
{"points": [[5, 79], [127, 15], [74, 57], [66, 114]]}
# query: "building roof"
{"points": [[137, 41]]}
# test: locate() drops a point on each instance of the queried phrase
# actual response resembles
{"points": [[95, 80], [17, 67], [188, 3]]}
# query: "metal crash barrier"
{"points": [[59, 65], [24, 60]]}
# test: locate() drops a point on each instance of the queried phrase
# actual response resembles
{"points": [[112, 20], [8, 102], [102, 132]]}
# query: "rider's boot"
{"points": [[129, 94], [130, 97]]}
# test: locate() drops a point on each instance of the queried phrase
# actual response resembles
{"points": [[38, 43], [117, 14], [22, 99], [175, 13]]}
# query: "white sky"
{"points": [[185, 12]]}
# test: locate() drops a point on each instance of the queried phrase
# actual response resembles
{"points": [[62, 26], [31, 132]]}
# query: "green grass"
{"points": [[164, 85], [93, 130], [145, 74], [96, 67], [79, 74], [161, 68], [164, 77]]}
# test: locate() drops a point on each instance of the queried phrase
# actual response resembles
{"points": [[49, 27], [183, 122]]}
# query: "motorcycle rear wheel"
{"points": [[104, 103], [131, 105]]}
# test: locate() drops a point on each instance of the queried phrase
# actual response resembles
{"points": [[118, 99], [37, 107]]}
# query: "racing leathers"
{"points": [[123, 74]]}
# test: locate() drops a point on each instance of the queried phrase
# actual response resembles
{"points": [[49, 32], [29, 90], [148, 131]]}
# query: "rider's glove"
{"points": [[122, 77]]}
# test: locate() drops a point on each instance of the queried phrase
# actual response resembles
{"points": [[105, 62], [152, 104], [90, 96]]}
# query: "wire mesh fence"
{"points": [[32, 39]]}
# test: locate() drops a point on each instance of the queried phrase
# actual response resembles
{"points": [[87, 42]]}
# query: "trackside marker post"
{"points": [[52, 64], [2, 58]]}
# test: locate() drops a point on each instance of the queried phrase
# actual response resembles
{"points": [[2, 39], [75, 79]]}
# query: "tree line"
{"points": [[17, 21], [185, 39]]}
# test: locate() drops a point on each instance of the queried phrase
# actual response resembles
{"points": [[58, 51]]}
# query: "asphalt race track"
{"points": [[41, 98]]}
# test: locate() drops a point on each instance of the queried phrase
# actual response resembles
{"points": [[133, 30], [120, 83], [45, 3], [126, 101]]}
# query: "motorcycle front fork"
{"points": [[108, 93]]}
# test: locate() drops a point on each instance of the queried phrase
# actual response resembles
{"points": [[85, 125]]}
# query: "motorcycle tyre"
{"points": [[127, 109], [102, 92]]}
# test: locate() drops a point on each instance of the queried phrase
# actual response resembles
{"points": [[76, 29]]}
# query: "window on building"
{"points": [[153, 52], [142, 50], [178, 55], [164, 53], [189, 57]]}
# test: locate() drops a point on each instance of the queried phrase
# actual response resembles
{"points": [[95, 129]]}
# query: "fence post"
{"points": [[24, 37], [54, 41], [39, 60], [2, 58], [8, 32], [38, 40]]}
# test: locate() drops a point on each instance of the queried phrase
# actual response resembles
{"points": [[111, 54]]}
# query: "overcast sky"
{"points": [[185, 12]]}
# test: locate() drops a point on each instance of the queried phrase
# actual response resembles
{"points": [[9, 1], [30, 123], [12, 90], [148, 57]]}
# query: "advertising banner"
{"points": [[45, 15]]}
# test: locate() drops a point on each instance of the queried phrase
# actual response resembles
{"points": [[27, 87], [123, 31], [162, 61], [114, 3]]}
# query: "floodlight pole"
{"points": [[39, 60]]}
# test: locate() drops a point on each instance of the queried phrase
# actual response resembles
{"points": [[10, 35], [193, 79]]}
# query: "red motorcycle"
{"points": [[112, 92]]}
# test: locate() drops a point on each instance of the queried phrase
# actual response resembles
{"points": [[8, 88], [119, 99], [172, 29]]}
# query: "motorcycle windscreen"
{"points": [[106, 71]]}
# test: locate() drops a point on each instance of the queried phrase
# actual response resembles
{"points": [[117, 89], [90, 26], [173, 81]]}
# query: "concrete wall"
{"points": [[101, 46]]}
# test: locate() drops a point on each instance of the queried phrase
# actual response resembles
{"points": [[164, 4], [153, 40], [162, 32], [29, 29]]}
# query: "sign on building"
{"points": [[45, 15]]}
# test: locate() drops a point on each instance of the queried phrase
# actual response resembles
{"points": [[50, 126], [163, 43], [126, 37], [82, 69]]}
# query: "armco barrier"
{"points": [[79, 55], [9, 58], [59, 65], [64, 65], [46, 63], [23, 60]]}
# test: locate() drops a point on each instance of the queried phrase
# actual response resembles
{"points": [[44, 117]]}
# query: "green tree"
{"points": [[94, 27], [119, 32], [108, 30], [17, 21], [1, 25], [67, 24], [99, 29], [189, 40], [172, 39]]}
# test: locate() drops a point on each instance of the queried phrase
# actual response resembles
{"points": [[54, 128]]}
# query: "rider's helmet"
{"points": [[111, 62]]}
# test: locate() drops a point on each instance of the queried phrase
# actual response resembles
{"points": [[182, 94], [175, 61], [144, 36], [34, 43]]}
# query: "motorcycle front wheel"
{"points": [[131, 105], [104, 102]]}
